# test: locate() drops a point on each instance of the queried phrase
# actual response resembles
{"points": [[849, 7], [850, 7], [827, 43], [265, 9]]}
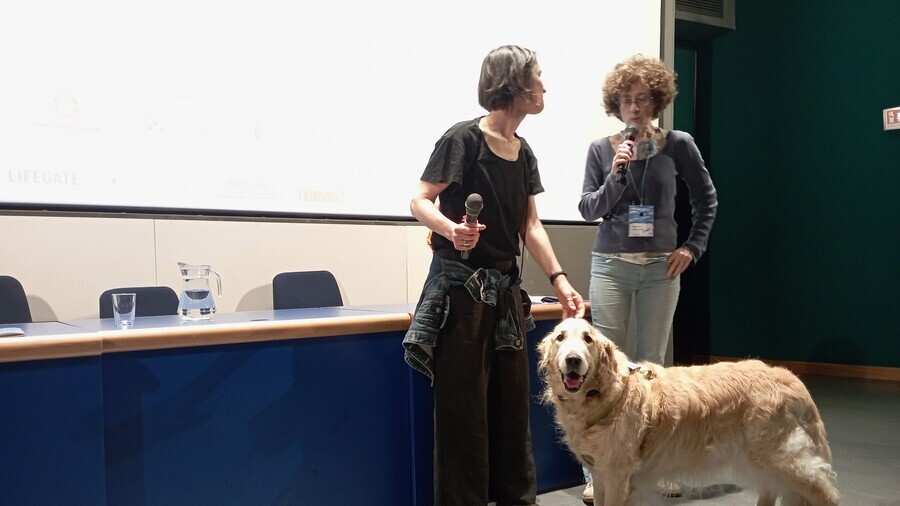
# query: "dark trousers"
{"points": [[482, 437]]}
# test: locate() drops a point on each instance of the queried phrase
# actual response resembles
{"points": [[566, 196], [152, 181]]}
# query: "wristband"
{"points": [[556, 275]]}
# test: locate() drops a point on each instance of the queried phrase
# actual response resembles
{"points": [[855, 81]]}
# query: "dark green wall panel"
{"points": [[807, 179], [685, 67]]}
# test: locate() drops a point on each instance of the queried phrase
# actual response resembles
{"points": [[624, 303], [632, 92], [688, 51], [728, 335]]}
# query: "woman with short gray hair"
{"points": [[468, 333]]}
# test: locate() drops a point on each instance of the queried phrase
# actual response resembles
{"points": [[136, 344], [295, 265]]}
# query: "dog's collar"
{"points": [[644, 371], [606, 408]]}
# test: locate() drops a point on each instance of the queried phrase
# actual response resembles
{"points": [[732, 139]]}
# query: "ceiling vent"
{"points": [[698, 20]]}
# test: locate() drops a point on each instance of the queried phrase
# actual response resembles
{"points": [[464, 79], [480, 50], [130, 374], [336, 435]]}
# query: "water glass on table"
{"points": [[123, 308]]}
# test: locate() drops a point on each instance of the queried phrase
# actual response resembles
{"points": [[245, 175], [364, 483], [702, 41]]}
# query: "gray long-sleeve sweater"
{"points": [[651, 182]]}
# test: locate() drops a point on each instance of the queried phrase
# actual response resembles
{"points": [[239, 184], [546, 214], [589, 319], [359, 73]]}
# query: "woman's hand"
{"points": [[572, 303], [464, 236], [623, 155], [679, 261]]}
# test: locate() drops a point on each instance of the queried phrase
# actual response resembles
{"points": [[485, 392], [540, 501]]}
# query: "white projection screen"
{"points": [[322, 109]]}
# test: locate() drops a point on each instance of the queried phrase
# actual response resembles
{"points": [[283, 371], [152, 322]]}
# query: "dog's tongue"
{"points": [[573, 380]]}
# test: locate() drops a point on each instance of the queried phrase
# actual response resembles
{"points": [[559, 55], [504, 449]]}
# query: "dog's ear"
{"points": [[544, 350], [606, 349], [602, 339]]}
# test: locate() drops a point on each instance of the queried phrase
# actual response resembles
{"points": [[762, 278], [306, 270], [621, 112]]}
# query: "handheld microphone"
{"points": [[474, 205], [630, 134]]}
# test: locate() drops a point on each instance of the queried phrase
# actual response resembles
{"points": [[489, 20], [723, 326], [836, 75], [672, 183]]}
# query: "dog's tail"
{"points": [[814, 426], [810, 420], [823, 475]]}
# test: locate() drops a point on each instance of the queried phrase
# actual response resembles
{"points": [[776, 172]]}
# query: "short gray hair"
{"points": [[505, 75]]}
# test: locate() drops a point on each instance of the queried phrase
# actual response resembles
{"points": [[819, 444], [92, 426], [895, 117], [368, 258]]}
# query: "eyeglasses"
{"points": [[640, 101]]}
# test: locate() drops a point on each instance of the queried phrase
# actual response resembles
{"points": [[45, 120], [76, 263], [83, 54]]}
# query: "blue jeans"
{"points": [[615, 284]]}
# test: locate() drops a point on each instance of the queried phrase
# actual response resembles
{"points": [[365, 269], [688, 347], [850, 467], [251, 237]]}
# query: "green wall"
{"points": [[802, 256], [692, 317]]}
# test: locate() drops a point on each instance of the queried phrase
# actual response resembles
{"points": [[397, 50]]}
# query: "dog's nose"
{"points": [[573, 361]]}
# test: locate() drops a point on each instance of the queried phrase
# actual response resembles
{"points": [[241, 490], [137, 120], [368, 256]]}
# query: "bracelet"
{"points": [[556, 275]]}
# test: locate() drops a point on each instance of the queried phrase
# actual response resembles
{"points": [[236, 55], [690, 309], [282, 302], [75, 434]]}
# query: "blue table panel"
{"points": [[51, 432], [309, 421]]}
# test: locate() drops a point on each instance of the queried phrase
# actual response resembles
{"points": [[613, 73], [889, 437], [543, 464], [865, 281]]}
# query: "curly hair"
{"points": [[505, 74], [650, 71]]}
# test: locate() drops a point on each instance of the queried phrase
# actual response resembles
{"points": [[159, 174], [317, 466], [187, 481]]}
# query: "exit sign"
{"points": [[892, 118]]}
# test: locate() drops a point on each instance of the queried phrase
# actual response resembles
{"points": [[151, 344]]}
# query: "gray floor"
{"points": [[862, 419]]}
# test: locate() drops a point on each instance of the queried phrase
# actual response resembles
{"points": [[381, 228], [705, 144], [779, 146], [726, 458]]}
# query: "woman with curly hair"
{"points": [[630, 183]]}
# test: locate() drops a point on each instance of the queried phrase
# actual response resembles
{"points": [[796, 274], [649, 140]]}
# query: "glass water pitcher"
{"points": [[196, 301]]}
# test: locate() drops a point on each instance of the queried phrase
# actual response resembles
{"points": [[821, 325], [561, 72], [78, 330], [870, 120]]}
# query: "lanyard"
{"points": [[641, 193]]}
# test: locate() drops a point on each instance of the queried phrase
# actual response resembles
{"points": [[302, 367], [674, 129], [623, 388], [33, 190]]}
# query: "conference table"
{"points": [[302, 406]]}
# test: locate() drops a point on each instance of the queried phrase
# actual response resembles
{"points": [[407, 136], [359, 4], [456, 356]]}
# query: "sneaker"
{"points": [[668, 488], [588, 495]]}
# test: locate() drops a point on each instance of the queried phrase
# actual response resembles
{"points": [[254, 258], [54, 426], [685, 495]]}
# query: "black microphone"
{"points": [[630, 134], [474, 205]]}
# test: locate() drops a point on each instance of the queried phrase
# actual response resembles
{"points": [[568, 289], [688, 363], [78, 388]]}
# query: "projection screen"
{"points": [[322, 109]]}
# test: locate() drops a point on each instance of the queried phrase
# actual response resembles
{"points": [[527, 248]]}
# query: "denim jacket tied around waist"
{"points": [[489, 286]]}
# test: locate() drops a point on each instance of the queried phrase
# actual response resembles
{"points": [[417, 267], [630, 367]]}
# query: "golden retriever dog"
{"points": [[634, 425]]}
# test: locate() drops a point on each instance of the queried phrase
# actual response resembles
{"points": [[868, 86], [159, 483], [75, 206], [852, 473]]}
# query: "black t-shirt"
{"points": [[462, 158]]}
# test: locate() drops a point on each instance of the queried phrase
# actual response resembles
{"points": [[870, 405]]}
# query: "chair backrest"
{"points": [[13, 303], [297, 290], [150, 301]]}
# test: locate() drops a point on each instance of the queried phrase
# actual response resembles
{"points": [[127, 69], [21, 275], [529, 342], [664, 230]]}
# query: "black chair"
{"points": [[298, 290], [13, 303], [150, 301]]}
